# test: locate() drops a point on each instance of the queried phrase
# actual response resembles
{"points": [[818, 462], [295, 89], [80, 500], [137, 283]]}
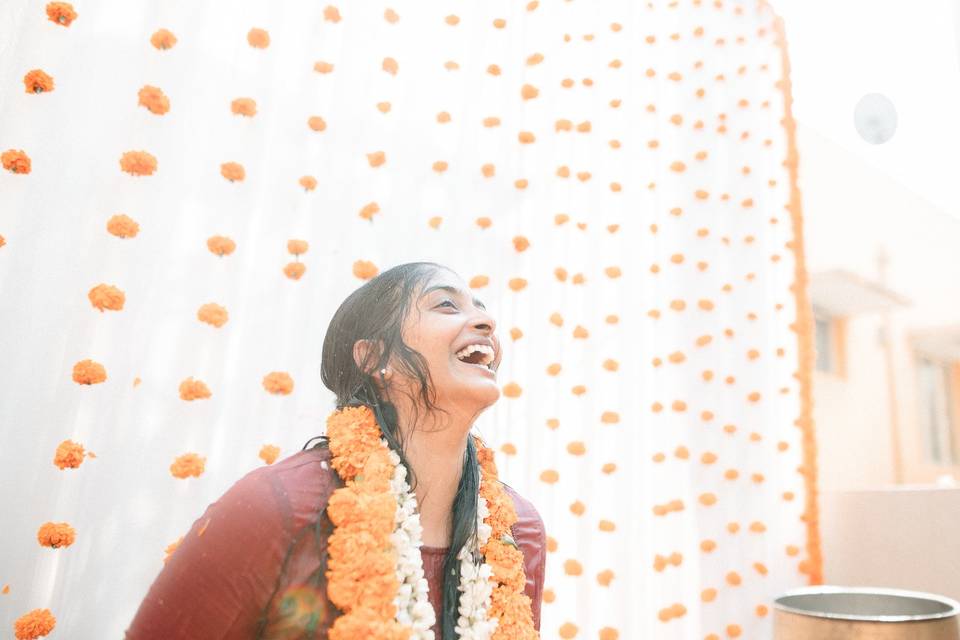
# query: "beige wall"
{"points": [[873, 534], [851, 210]]}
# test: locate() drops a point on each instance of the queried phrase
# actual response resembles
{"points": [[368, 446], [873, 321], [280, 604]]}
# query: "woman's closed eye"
{"points": [[445, 301]]}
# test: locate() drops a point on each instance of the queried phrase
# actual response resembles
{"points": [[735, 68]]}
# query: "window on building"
{"points": [[824, 342], [936, 410]]}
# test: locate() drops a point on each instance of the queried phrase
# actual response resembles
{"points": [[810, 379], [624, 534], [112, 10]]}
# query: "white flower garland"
{"points": [[412, 600], [476, 586]]}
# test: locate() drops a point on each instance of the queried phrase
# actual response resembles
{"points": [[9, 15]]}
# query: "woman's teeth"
{"points": [[487, 354]]}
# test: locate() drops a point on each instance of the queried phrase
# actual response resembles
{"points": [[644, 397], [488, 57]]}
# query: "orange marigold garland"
{"points": [[368, 515]]}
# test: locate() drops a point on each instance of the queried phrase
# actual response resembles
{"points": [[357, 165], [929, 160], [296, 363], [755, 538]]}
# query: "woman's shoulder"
{"points": [[300, 483]]}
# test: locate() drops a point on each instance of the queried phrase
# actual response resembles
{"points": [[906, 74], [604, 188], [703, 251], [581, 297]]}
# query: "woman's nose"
{"points": [[484, 321]]}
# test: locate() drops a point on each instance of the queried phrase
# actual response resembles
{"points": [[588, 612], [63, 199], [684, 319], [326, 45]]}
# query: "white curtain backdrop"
{"points": [[638, 148]]}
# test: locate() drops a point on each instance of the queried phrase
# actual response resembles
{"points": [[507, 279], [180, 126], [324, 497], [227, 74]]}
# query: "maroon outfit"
{"points": [[222, 581]]}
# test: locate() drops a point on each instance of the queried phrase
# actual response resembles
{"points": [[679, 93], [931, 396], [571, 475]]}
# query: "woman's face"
{"points": [[444, 320]]}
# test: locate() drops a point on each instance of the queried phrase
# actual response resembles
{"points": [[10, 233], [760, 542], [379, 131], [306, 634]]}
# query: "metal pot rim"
{"points": [[953, 605]]}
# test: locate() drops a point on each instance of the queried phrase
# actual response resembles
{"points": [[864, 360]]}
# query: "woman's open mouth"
{"points": [[479, 356]]}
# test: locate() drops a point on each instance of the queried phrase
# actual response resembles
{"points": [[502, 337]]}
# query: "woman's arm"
{"points": [[215, 584]]}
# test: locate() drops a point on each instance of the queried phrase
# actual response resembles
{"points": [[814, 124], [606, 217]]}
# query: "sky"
{"points": [[907, 50]]}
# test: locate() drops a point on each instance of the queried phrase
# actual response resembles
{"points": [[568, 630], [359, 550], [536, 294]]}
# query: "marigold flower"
{"points": [[512, 390], [295, 270], [213, 314], [220, 245], [233, 171], [191, 389], [61, 13], [138, 163], [123, 226], [278, 383], [244, 107], [258, 38], [503, 559], [369, 210], [2, 241], [171, 548], [317, 123], [309, 183], [364, 269], [297, 247], [16, 161], [153, 99], [269, 453], [38, 622], [104, 296], [479, 281], [163, 39], [391, 66], [37, 81], [517, 284], [377, 158], [322, 67], [89, 372], [189, 464], [331, 14], [69, 455], [56, 535]]}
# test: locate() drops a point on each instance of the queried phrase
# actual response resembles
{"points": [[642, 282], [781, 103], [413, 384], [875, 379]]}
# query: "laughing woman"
{"points": [[394, 525]]}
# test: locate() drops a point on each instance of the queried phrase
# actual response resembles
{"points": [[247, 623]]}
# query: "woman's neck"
{"points": [[435, 453]]}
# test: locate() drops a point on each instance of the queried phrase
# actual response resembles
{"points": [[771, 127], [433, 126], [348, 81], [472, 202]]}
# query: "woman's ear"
{"points": [[366, 354]]}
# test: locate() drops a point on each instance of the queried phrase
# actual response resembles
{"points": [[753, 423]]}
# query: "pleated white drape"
{"points": [[609, 175]]}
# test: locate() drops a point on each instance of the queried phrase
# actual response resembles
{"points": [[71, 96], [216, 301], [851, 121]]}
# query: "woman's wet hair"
{"points": [[376, 312]]}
